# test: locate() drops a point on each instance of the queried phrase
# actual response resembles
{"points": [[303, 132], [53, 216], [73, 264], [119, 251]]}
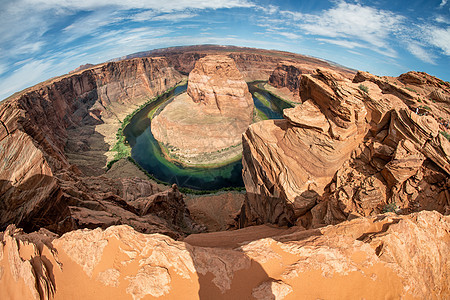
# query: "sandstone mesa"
{"points": [[212, 116]]}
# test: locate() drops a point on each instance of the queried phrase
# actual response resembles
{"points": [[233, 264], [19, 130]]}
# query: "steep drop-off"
{"points": [[350, 149], [42, 184]]}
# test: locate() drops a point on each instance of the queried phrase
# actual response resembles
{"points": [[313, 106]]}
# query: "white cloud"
{"points": [[21, 32], [269, 9], [90, 24], [290, 35], [144, 16], [351, 45], [3, 68], [174, 17], [343, 43], [443, 2], [442, 19], [440, 38], [29, 47], [29, 74], [157, 5], [275, 31], [354, 21], [345, 24], [419, 52]]}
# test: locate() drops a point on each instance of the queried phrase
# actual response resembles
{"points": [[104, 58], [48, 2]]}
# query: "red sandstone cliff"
{"points": [[40, 187], [254, 64], [351, 148]]}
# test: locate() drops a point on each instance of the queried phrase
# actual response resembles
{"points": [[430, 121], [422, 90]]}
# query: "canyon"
{"points": [[204, 126], [347, 195]]}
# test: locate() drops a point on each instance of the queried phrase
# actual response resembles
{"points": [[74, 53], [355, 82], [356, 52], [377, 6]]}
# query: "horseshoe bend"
{"points": [[222, 172]]}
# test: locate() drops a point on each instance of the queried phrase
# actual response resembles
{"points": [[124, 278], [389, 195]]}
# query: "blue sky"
{"points": [[40, 39]]}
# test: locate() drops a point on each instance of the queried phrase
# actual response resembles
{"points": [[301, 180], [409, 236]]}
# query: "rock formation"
{"points": [[205, 126], [349, 151], [386, 256], [287, 75], [254, 64], [41, 185], [351, 148]]}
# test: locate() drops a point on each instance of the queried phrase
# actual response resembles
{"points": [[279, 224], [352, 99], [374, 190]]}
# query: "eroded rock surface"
{"points": [[351, 148], [45, 129], [205, 125], [386, 256]]}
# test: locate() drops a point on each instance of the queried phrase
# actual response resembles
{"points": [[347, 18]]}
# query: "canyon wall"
{"points": [[350, 149], [254, 64], [288, 74], [46, 125]]}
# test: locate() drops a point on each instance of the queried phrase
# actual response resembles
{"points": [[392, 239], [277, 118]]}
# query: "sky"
{"points": [[40, 39]]}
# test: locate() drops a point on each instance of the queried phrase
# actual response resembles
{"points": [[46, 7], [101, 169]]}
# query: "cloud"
{"points": [[353, 21], [27, 75], [90, 24], [277, 31], [269, 9], [144, 16], [290, 35], [3, 68], [156, 5], [443, 2], [419, 52], [439, 37], [441, 19], [343, 43], [174, 17], [21, 32], [345, 24]]}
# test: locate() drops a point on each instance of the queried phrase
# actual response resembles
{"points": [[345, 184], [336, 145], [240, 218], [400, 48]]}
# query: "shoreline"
{"points": [[166, 152]]}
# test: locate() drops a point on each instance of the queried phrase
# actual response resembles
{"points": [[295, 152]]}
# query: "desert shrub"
{"points": [[391, 207], [363, 88], [446, 135]]}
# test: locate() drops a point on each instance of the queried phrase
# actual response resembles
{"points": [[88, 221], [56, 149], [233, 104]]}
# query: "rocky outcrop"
{"points": [[218, 104], [287, 75], [351, 148], [219, 87], [39, 184], [364, 258], [288, 163], [81, 68]]}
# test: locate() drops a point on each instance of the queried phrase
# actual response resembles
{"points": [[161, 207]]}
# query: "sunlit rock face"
{"points": [[353, 147], [205, 125], [387, 256], [217, 84]]}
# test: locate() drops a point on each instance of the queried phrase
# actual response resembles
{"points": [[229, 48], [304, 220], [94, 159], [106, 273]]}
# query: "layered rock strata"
{"points": [[366, 258], [287, 75], [44, 127], [203, 127], [254, 64], [351, 148]]}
